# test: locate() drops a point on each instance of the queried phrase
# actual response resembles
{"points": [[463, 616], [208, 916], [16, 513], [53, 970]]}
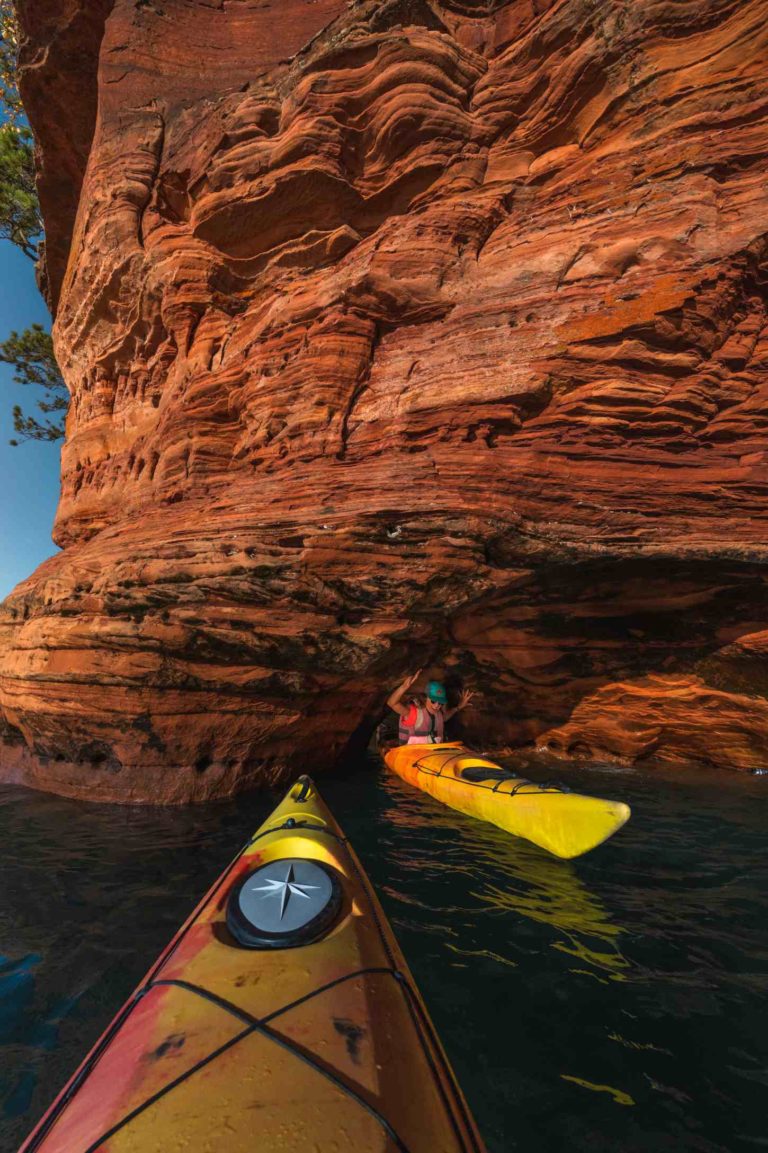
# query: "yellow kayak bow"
{"points": [[282, 1018], [567, 824]]}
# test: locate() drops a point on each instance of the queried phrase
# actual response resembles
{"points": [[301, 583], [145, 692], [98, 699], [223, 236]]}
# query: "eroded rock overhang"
{"points": [[426, 331]]}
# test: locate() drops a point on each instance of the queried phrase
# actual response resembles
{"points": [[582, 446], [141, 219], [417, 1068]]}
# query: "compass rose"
{"points": [[284, 889], [286, 902]]}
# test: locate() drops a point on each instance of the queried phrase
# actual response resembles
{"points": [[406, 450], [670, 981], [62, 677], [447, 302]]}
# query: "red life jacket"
{"points": [[420, 727]]}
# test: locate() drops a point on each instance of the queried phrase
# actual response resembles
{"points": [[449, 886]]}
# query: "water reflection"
{"points": [[562, 990], [89, 895], [510, 876]]}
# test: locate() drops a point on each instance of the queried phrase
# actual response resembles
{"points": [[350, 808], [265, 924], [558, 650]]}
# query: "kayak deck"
{"points": [[293, 1047], [566, 824]]}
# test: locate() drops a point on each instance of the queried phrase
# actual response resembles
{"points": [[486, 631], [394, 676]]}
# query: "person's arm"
{"points": [[394, 699], [464, 700]]}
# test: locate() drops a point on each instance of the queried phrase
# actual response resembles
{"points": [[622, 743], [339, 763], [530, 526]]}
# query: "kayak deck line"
{"points": [[550, 815], [169, 1066], [252, 1022], [254, 1026], [246, 1017], [293, 825], [504, 776]]}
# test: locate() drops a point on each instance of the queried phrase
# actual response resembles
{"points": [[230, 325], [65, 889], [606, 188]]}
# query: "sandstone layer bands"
{"points": [[397, 333]]}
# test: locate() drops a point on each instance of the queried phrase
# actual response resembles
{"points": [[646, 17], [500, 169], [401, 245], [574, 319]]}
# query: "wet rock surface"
{"points": [[409, 332]]}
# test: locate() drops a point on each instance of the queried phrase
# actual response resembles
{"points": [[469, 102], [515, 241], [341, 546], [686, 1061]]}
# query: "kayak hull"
{"points": [[566, 824], [314, 1046]]}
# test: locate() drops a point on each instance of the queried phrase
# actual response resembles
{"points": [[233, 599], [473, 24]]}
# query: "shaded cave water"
{"points": [[617, 1001]]}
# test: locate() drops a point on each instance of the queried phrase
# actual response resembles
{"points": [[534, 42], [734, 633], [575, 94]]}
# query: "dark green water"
{"points": [[616, 1002]]}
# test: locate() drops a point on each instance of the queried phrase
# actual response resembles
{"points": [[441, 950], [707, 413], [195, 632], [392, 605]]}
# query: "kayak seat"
{"points": [[478, 774]]}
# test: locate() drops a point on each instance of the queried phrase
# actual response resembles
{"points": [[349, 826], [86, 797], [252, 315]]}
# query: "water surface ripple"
{"points": [[617, 1001]]}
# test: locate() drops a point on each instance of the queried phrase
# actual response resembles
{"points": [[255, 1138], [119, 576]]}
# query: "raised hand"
{"points": [[465, 698], [411, 679]]}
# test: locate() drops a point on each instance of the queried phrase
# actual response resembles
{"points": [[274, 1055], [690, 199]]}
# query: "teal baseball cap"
{"points": [[436, 692]]}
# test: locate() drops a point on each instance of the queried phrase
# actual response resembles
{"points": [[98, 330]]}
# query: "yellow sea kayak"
{"points": [[281, 1018], [567, 824]]}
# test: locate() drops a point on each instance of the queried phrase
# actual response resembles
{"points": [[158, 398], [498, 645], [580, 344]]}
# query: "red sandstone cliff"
{"points": [[398, 332]]}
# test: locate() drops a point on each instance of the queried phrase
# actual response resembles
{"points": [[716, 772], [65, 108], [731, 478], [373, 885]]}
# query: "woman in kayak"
{"points": [[424, 724]]}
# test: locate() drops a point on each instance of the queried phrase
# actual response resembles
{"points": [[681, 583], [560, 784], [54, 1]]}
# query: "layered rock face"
{"points": [[399, 332]]}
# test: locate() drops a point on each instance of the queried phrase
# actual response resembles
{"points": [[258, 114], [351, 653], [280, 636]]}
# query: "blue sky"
{"points": [[29, 474]]}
